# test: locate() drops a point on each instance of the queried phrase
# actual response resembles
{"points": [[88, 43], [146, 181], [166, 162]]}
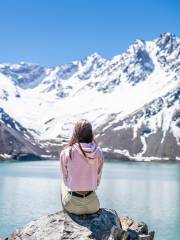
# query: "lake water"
{"points": [[143, 191]]}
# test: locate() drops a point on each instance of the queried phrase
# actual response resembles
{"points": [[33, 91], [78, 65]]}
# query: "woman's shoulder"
{"points": [[99, 149], [65, 152]]}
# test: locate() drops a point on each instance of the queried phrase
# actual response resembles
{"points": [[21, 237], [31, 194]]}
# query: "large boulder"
{"points": [[103, 225]]}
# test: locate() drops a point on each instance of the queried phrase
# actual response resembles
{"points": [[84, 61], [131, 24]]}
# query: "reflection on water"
{"points": [[143, 191]]}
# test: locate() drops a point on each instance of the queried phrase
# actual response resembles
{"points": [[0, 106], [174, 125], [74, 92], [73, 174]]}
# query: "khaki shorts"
{"points": [[78, 205]]}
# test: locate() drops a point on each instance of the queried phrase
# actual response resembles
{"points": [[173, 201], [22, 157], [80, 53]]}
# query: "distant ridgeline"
{"points": [[132, 100]]}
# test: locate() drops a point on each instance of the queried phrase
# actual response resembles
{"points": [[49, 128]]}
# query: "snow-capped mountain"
{"points": [[16, 142], [132, 100]]}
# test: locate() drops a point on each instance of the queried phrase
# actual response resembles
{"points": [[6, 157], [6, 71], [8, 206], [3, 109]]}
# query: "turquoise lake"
{"points": [[148, 192]]}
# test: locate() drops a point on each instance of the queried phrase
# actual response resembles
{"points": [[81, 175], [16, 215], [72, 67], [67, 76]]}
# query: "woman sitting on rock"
{"points": [[81, 166]]}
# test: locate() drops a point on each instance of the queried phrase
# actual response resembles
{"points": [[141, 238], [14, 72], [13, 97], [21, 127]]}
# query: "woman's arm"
{"points": [[100, 167], [63, 166]]}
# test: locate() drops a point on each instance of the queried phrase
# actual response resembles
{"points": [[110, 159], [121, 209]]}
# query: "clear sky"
{"points": [[52, 32]]}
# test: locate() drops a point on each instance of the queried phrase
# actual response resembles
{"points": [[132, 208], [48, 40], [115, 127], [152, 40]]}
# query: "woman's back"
{"points": [[82, 173]]}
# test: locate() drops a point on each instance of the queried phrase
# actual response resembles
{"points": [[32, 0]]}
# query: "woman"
{"points": [[81, 167]]}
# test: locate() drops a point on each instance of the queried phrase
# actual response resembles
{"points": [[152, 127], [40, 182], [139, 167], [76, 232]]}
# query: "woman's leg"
{"points": [[92, 203]]}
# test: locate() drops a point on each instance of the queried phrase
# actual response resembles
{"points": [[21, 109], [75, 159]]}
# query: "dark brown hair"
{"points": [[82, 133]]}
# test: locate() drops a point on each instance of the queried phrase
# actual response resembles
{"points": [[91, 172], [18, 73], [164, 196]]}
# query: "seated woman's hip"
{"points": [[71, 202]]}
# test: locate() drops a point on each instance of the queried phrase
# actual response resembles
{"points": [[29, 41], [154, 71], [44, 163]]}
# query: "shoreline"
{"points": [[106, 160]]}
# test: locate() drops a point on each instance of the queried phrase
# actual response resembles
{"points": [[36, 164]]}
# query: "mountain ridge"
{"points": [[145, 78]]}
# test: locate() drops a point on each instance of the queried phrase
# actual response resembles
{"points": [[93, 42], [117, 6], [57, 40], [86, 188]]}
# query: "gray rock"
{"points": [[136, 230], [126, 222], [103, 225], [144, 237], [140, 228]]}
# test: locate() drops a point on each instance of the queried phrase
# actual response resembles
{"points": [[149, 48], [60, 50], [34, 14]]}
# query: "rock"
{"points": [[140, 228], [126, 222], [149, 236], [103, 225], [136, 230]]}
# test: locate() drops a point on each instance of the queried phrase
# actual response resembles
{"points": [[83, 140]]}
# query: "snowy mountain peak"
{"points": [[167, 35], [24, 75], [92, 59], [168, 42], [168, 52], [138, 44], [94, 55], [132, 99]]}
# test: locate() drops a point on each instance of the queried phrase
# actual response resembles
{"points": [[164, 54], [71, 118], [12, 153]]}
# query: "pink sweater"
{"points": [[80, 173]]}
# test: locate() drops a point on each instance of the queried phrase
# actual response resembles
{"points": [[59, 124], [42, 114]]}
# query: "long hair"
{"points": [[82, 133]]}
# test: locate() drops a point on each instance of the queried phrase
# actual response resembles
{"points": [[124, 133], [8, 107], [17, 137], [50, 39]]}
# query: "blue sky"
{"points": [[52, 32]]}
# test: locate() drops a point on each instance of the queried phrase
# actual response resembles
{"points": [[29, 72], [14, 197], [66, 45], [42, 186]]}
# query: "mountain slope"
{"points": [[132, 99], [16, 142], [149, 133]]}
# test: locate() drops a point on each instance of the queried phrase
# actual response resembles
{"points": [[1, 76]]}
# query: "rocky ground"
{"points": [[103, 225]]}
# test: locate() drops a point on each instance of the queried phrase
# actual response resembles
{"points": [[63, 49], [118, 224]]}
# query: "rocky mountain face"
{"points": [[132, 100], [103, 225], [147, 132], [16, 142]]}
